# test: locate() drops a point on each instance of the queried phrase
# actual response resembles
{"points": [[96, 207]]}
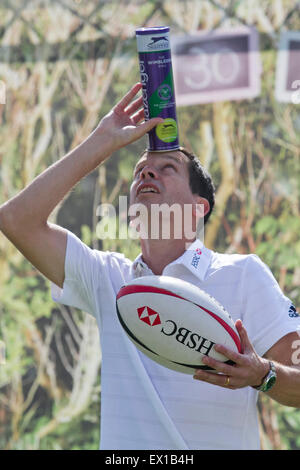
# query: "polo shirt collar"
{"points": [[196, 259]]}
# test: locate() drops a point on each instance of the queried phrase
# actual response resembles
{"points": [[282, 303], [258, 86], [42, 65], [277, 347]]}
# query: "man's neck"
{"points": [[157, 254]]}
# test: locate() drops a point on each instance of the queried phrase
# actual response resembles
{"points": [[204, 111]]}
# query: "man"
{"points": [[144, 405]]}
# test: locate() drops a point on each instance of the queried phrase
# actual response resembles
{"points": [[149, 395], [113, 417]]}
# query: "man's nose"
{"points": [[149, 171]]}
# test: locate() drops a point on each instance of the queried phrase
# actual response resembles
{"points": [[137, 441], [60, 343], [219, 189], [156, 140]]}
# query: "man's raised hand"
{"points": [[125, 123]]}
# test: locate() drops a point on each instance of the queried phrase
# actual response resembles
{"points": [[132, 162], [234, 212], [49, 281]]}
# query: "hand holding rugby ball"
{"points": [[174, 322]]}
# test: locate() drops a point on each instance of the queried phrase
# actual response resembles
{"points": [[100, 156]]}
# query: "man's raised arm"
{"points": [[24, 218]]}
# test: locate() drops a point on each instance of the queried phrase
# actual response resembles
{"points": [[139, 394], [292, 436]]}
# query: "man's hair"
{"points": [[200, 180]]}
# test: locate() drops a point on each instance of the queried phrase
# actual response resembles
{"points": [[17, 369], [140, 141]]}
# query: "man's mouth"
{"points": [[145, 189]]}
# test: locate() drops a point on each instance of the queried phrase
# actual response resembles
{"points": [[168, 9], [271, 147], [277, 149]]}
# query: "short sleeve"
{"points": [[85, 270], [268, 314]]}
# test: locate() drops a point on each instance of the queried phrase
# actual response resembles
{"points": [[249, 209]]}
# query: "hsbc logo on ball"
{"points": [[182, 335], [148, 316]]}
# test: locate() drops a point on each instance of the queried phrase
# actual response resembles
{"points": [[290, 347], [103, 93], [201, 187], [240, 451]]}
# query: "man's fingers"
{"points": [[146, 126], [215, 379], [134, 111], [126, 100], [245, 341], [219, 366], [134, 106], [138, 117], [136, 132], [234, 356]]}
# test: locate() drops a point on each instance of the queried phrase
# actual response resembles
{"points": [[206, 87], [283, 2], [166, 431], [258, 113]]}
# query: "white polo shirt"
{"points": [[146, 406]]}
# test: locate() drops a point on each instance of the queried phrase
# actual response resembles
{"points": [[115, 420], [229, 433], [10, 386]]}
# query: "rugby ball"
{"points": [[174, 322]]}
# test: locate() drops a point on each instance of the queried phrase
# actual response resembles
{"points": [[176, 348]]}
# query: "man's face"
{"points": [[161, 178], [161, 181]]}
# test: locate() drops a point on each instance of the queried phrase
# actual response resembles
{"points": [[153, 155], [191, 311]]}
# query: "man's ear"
{"points": [[201, 207]]}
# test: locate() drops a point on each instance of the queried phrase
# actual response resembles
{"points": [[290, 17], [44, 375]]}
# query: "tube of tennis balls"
{"points": [[156, 73]]}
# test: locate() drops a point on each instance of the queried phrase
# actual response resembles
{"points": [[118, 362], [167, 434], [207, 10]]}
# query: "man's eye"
{"points": [[169, 165]]}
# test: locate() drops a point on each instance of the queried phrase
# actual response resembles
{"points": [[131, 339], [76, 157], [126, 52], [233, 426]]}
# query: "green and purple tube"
{"points": [[158, 86]]}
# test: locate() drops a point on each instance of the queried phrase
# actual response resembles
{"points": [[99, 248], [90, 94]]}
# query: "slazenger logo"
{"points": [[182, 335], [196, 258], [156, 42], [292, 312]]}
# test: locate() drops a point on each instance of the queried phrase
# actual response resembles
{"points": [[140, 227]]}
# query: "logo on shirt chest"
{"points": [[196, 258]]}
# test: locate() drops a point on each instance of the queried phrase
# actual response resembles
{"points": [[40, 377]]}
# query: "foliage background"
{"points": [[64, 64]]}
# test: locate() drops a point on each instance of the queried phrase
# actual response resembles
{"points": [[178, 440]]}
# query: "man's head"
{"points": [[172, 177]]}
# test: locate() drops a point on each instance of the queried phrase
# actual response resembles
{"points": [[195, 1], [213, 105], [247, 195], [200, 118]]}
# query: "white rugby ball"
{"points": [[174, 322]]}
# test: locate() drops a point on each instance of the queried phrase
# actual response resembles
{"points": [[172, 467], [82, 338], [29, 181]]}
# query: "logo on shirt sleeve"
{"points": [[293, 312]]}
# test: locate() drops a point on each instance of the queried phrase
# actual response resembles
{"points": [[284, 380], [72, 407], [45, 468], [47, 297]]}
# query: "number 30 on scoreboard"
{"points": [[216, 66]]}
